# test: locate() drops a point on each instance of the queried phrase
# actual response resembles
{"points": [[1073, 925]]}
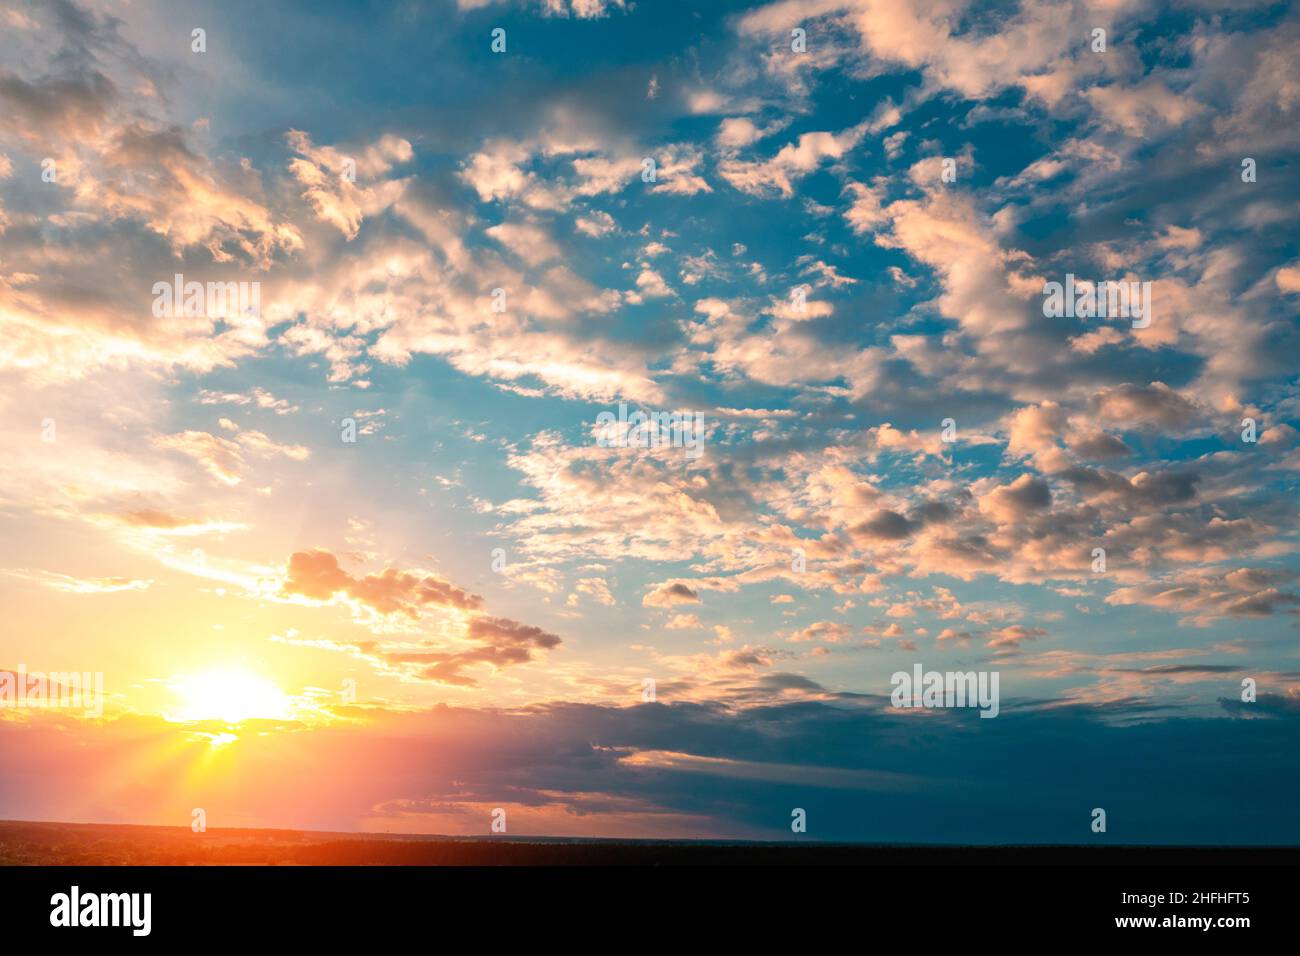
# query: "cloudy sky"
{"points": [[361, 557]]}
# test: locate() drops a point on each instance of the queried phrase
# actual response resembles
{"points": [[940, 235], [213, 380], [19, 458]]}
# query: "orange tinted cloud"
{"points": [[317, 575]]}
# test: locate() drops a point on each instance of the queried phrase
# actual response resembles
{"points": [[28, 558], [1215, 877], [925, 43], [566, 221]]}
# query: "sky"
{"points": [[364, 551]]}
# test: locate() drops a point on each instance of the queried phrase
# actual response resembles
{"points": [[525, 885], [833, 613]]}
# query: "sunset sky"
{"points": [[458, 611]]}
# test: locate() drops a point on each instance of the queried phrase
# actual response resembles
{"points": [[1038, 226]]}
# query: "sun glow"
{"points": [[230, 695]]}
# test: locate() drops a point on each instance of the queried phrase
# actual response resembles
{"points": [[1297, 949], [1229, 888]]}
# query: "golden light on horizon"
{"points": [[231, 695]]}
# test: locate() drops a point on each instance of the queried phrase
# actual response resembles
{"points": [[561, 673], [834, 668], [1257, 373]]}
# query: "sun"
{"points": [[231, 695]]}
